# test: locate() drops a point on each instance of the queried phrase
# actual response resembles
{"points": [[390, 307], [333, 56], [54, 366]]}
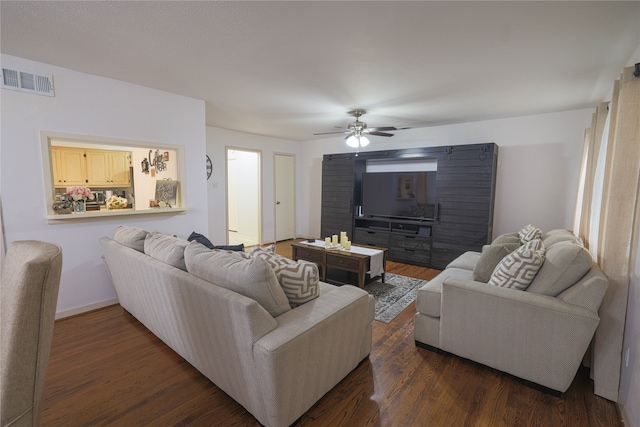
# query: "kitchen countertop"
{"points": [[104, 213]]}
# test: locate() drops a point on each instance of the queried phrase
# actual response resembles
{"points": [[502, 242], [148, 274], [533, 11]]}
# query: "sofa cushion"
{"points": [[429, 295], [299, 279], [248, 276], [529, 233], [565, 263], [589, 291], [165, 248], [555, 236], [508, 238], [466, 261], [518, 269], [490, 257], [131, 237]]}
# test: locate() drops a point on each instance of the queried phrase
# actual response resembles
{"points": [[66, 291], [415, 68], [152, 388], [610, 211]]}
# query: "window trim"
{"points": [[103, 143]]}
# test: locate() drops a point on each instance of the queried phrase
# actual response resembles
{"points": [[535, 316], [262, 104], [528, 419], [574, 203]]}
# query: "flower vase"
{"points": [[79, 206]]}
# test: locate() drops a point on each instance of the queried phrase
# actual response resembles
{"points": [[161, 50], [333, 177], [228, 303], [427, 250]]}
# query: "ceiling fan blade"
{"points": [[379, 133], [331, 133], [384, 128]]}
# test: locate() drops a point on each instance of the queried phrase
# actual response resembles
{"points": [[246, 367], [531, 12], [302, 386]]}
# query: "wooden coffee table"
{"points": [[339, 259]]}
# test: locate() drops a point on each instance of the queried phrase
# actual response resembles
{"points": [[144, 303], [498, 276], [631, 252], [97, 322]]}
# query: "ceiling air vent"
{"points": [[27, 82]]}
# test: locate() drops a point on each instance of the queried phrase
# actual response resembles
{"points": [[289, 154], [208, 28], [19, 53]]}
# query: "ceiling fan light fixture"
{"points": [[364, 141], [352, 141]]}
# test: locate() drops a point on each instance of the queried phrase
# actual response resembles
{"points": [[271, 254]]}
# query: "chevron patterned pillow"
{"points": [[299, 280], [518, 269], [529, 233]]}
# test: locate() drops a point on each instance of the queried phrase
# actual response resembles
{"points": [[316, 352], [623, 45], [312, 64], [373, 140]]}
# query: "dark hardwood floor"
{"points": [[106, 369]]}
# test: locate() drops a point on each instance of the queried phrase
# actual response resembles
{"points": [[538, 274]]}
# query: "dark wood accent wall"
{"points": [[466, 188], [337, 193], [465, 197]]}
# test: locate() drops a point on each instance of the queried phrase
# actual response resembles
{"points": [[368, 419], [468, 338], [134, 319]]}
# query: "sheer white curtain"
{"points": [[605, 215], [598, 190]]}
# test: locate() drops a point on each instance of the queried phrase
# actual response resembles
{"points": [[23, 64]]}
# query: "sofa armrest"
{"points": [[535, 337], [314, 346]]}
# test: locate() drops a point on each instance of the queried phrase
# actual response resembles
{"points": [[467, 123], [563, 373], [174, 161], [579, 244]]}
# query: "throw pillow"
{"points": [[299, 280], [565, 263], [251, 277], [131, 237], [489, 258], [267, 249], [165, 248], [508, 238], [529, 233], [206, 242], [200, 239], [518, 269], [234, 248]]}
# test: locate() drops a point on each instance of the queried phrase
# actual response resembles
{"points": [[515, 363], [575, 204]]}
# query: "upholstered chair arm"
{"points": [[313, 347], [535, 337]]}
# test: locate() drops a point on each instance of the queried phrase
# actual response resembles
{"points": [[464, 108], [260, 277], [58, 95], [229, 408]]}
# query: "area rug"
{"points": [[393, 296]]}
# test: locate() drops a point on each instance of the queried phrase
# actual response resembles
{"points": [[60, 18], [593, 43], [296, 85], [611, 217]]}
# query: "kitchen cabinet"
{"points": [[69, 166], [108, 168], [120, 162], [91, 168]]}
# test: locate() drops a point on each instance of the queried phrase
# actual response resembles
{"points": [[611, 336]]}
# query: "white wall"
{"points": [[630, 372], [90, 105], [538, 166], [217, 140]]}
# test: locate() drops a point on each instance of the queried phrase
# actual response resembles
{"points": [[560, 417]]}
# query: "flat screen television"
{"points": [[405, 195]]}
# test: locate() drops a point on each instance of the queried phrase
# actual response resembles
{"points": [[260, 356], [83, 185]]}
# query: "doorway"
{"points": [[285, 190], [243, 197]]}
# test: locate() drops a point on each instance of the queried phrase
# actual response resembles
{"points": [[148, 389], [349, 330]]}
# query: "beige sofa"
{"points": [[276, 365], [539, 334]]}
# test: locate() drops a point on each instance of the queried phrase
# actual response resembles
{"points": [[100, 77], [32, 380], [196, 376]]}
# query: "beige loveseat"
{"points": [[540, 333], [274, 360]]}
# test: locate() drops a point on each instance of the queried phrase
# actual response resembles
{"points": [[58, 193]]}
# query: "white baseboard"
{"points": [[78, 310]]}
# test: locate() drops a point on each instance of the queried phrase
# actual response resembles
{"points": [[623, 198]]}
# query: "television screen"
{"points": [[399, 194]]}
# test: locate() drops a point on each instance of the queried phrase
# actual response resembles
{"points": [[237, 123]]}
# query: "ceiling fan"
{"points": [[357, 130]]}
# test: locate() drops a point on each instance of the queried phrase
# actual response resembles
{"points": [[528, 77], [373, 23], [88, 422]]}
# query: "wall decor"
{"points": [[209, 167], [166, 192], [157, 160]]}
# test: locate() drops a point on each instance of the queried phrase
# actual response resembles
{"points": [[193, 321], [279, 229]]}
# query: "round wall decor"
{"points": [[209, 167]]}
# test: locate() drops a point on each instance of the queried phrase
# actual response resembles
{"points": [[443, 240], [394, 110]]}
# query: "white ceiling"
{"points": [[292, 69]]}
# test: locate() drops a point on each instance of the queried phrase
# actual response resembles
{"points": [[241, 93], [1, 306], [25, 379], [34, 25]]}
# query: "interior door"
{"points": [[243, 197], [285, 197]]}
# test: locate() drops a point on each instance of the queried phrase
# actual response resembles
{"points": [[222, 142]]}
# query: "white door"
{"points": [[232, 193], [285, 197]]}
